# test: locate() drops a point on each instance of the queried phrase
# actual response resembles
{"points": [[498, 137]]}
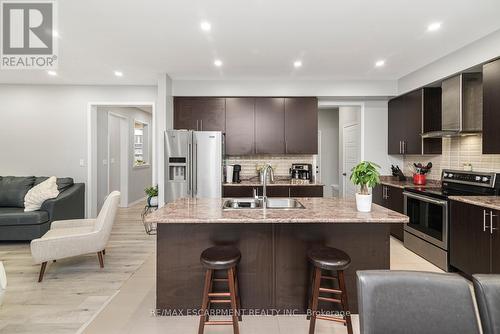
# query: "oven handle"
{"points": [[426, 199]]}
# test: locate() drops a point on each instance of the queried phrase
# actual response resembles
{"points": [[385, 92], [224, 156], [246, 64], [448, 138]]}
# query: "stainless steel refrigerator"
{"points": [[193, 164]]}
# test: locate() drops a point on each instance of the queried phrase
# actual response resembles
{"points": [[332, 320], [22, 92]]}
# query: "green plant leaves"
{"points": [[365, 174]]}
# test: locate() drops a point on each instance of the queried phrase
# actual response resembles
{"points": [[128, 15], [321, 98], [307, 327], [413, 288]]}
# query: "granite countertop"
{"points": [[317, 210], [255, 183], [394, 182], [490, 202]]}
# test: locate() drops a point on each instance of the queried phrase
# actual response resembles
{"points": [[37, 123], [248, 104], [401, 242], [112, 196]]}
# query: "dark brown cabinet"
{"points": [[391, 198], [261, 125], [200, 113], [410, 115], [474, 242], [301, 117], [491, 108], [240, 126], [306, 191], [274, 191], [270, 125]]}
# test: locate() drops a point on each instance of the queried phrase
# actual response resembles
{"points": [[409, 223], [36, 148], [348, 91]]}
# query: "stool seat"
{"points": [[329, 258], [220, 257]]}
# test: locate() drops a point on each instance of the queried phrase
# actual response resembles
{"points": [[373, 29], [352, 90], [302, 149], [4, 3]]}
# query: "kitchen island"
{"points": [[273, 272]]}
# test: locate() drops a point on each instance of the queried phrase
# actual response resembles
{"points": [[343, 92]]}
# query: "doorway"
{"points": [[121, 153]]}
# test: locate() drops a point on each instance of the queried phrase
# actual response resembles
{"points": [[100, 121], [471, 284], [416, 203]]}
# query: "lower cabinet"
{"points": [[391, 198], [274, 191], [474, 239]]}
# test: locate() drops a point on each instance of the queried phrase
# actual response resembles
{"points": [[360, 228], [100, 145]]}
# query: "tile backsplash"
{"points": [[457, 151], [280, 163]]}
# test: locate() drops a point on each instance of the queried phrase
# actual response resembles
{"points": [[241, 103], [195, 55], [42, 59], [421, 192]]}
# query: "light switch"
{"points": [[82, 163], [105, 162]]}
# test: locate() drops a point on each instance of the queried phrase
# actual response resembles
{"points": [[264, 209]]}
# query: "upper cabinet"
{"points": [[200, 113], [410, 115], [491, 108], [240, 126], [261, 125], [270, 125], [301, 116]]}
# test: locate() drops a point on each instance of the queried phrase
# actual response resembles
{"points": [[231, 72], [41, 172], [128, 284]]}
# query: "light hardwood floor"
{"points": [[74, 289], [131, 309]]}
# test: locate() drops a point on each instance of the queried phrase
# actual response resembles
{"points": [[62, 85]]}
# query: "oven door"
{"points": [[428, 218]]}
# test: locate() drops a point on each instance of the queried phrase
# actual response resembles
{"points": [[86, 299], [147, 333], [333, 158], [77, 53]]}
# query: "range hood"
{"points": [[462, 106]]}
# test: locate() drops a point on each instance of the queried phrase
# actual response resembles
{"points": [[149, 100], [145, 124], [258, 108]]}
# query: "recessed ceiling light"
{"points": [[119, 74], [380, 63], [297, 63], [434, 26], [52, 73], [218, 62], [205, 26]]}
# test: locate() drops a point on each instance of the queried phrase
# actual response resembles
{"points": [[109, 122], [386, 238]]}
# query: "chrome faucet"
{"points": [[265, 170]]}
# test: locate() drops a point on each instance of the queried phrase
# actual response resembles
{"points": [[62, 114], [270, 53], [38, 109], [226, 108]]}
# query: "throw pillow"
{"points": [[40, 193]]}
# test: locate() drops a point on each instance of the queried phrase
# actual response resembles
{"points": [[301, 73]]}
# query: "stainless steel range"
{"points": [[427, 233]]}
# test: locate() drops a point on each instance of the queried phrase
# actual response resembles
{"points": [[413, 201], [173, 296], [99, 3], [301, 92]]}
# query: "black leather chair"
{"points": [[415, 302], [487, 290]]}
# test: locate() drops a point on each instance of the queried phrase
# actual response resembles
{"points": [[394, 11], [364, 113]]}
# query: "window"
{"points": [[141, 149]]}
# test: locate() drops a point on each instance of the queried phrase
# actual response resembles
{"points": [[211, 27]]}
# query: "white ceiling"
{"points": [[257, 39]]}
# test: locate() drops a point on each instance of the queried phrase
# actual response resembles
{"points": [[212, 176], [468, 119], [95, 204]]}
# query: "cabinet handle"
{"points": [[197, 128], [201, 125], [484, 221], [404, 147], [491, 222], [400, 150]]}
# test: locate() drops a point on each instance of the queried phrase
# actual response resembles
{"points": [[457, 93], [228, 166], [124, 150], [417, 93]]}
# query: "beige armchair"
{"points": [[68, 238]]}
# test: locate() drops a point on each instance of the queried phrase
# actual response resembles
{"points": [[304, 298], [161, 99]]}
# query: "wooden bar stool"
{"points": [[220, 258], [332, 260]]}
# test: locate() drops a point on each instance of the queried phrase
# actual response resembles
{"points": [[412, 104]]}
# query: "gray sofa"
{"points": [[15, 224]]}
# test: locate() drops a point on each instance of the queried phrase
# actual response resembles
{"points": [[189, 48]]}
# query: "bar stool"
{"points": [[220, 258], [332, 260]]}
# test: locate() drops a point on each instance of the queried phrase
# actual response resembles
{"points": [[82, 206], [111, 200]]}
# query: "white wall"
{"points": [[138, 177], [328, 124], [375, 136], [284, 88], [478, 52], [163, 119], [45, 126]]}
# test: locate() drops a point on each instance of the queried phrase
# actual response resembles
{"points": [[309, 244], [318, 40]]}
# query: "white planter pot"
{"points": [[364, 202], [153, 201], [3, 282]]}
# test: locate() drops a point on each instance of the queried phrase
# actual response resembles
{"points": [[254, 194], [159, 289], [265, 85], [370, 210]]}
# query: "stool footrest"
{"points": [[331, 300], [324, 317], [219, 279], [329, 290], [329, 277], [220, 301], [219, 294], [219, 322]]}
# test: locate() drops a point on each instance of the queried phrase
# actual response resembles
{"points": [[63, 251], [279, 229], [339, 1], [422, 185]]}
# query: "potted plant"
{"points": [[366, 175], [152, 193]]}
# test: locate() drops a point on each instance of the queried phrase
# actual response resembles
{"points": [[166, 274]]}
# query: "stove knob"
{"points": [[450, 175], [485, 179], [445, 174], [478, 178]]}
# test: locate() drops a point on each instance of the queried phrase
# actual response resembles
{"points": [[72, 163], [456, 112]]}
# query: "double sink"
{"points": [[261, 203]]}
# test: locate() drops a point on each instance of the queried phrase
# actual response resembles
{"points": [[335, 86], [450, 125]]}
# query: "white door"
{"points": [[352, 155], [118, 156]]}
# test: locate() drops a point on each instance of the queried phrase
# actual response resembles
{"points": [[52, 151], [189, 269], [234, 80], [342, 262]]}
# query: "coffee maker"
{"points": [[301, 173]]}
